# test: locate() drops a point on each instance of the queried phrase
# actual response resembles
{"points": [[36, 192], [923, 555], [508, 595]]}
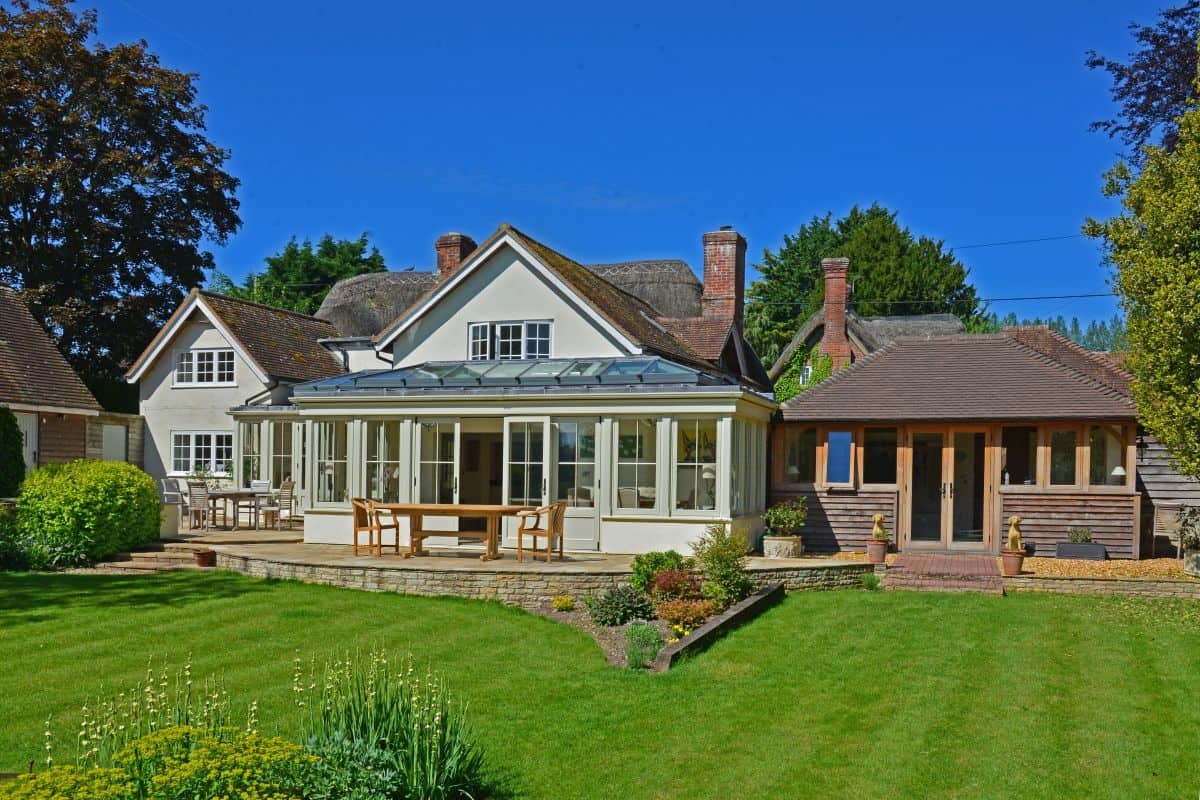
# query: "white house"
{"points": [[215, 353], [517, 375]]}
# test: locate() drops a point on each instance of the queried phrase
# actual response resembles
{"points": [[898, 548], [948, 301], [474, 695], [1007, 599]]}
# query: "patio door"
{"points": [[946, 488], [527, 466], [575, 480], [436, 472]]}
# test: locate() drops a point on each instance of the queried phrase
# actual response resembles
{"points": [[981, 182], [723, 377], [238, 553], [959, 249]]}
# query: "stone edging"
{"points": [[527, 589], [1127, 587], [707, 633]]}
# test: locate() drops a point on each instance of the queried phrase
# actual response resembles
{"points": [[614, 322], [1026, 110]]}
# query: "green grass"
{"points": [[837, 694]]}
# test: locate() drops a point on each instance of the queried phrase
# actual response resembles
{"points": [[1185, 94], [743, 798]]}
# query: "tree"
{"points": [[1102, 335], [1155, 87], [1154, 247], [299, 276], [893, 272], [108, 184], [12, 454]]}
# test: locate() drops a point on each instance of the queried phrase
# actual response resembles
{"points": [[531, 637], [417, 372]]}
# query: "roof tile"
{"points": [[32, 370]]}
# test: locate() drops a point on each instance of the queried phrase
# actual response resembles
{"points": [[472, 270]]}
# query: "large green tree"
{"points": [[299, 276], [108, 184], [893, 271], [1154, 243]]}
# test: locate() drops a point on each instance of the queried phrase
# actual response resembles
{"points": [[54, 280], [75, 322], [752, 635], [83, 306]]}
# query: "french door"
{"points": [[946, 482], [527, 466], [436, 471], [575, 480]]}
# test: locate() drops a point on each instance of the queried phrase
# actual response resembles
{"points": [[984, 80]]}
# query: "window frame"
{"points": [[213, 447], [348, 460], [215, 368], [1047, 460], [577, 463], [522, 340], [396, 462], [617, 462], [683, 423], [823, 456], [860, 458]]}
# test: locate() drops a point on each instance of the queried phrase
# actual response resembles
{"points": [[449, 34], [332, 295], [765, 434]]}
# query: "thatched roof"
{"points": [[364, 304]]}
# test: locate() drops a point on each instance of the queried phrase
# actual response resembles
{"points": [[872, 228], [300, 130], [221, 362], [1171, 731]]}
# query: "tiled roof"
{"points": [[706, 335], [963, 377], [32, 370], [1099, 367], [284, 343]]}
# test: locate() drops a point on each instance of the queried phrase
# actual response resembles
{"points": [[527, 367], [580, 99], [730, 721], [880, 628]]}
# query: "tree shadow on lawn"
{"points": [[38, 597]]}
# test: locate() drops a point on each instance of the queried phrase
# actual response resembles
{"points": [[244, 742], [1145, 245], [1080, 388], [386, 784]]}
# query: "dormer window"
{"points": [[509, 341], [205, 368]]}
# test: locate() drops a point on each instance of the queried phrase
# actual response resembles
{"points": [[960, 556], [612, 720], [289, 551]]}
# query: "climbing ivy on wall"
{"points": [[788, 384]]}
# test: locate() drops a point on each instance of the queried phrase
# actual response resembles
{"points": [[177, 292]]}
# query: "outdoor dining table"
{"points": [[416, 513], [236, 495]]}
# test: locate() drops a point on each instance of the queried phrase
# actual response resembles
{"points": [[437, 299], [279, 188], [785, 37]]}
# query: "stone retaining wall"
{"points": [[516, 587], [1129, 587]]}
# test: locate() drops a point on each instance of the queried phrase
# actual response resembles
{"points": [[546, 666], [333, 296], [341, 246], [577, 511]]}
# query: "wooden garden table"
{"points": [[416, 513]]}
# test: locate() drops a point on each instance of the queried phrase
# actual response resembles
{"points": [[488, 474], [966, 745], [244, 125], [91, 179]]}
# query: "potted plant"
{"points": [[205, 557], [1080, 546], [1014, 554], [877, 545], [1189, 539], [784, 521]]}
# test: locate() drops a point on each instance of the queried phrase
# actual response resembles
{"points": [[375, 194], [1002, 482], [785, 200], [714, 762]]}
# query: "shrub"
{"points": [[618, 606], [12, 454], [1189, 528], [647, 565], [562, 602], [179, 763], [13, 552], [642, 643], [722, 558], [870, 581], [686, 615], [81, 512], [379, 724], [786, 518], [1079, 535], [673, 584]]}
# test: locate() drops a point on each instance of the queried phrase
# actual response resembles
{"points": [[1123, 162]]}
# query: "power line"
{"points": [[1019, 241], [940, 302]]}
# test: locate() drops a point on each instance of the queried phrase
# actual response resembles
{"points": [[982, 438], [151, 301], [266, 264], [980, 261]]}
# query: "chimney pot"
{"points": [[452, 249]]}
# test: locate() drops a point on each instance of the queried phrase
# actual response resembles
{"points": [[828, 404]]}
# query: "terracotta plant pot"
{"points": [[877, 550], [205, 558], [1012, 560]]}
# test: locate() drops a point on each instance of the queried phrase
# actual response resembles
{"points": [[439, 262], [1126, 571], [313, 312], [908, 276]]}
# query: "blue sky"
{"points": [[617, 131]]}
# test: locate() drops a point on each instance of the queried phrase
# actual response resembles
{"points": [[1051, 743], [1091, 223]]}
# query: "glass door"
{"points": [[527, 465], [965, 495], [928, 488], [435, 479], [575, 481]]}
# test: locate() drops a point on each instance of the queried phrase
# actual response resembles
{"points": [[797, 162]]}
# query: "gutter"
{"points": [[274, 384]]}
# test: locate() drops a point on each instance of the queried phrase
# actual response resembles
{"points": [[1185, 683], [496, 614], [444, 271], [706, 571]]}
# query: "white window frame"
{"points": [[191, 452], [348, 459], [662, 478], [696, 465], [805, 374], [487, 335], [220, 361]]}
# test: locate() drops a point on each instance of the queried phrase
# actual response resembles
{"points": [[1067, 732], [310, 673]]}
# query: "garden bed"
{"points": [[1158, 568], [611, 639]]}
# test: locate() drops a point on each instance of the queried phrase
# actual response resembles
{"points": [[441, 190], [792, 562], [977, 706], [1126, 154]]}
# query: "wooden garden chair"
{"points": [[287, 505], [198, 506], [378, 526], [545, 522], [362, 524]]}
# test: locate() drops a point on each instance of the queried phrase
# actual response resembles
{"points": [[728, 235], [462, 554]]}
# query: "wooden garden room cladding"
{"points": [[948, 437]]}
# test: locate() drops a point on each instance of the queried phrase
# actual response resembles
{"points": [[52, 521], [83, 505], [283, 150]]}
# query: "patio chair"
{"points": [[378, 526], [546, 522], [198, 506], [253, 506], [286, 505], [362, 524]]}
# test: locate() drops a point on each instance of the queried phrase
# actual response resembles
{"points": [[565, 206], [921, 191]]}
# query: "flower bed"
{"points": [[1160, 568]]}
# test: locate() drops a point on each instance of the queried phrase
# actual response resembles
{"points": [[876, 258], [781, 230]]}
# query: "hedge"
{"points": [[12, 453], [84, 511]]}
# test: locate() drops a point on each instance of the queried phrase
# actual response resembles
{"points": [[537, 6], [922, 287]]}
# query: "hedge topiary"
{"points": [[12, 453], [84, 511]]}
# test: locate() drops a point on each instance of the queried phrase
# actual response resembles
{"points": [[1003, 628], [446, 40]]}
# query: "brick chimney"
{"points": [[724, 275], [452, 249], [834, 342]]}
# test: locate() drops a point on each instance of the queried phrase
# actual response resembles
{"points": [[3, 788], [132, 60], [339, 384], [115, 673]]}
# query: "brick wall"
{"points": [[724, 275], [834, 342]]}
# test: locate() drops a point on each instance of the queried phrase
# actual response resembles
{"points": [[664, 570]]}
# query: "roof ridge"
{"points": [[290, 312], [1092, 355], [1074, 373]]}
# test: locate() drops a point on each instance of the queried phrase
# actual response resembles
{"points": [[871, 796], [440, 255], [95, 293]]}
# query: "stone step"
{"points": [[160, 555], [143, 566], [935, 583]]}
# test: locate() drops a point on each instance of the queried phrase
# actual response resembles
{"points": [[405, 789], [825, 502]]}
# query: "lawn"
{"points": [[835, 694]]}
